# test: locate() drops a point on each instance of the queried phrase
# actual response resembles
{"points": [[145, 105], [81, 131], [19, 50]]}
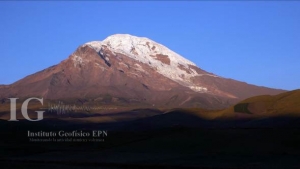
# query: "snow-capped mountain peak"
{"points": [[129, 70]]}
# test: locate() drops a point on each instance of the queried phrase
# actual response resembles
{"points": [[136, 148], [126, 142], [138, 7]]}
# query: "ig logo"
{"points": [[13, 109]]}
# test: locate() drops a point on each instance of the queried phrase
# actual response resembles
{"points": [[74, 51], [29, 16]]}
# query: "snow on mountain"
{"points": [[164, 60]]}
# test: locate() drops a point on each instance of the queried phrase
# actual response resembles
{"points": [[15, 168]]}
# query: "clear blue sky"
{"points": [[257, 42]]}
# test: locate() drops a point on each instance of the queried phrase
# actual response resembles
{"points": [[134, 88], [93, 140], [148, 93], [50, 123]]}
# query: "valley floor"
{"points": [[211, 146]]}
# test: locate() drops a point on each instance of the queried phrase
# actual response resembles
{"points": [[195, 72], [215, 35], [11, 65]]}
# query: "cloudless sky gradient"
{"points": [[257, 42]]}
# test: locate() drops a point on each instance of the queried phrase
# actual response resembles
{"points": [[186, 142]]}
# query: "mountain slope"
{"points": [[124, 69], [287, 103], [284, 104]]}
